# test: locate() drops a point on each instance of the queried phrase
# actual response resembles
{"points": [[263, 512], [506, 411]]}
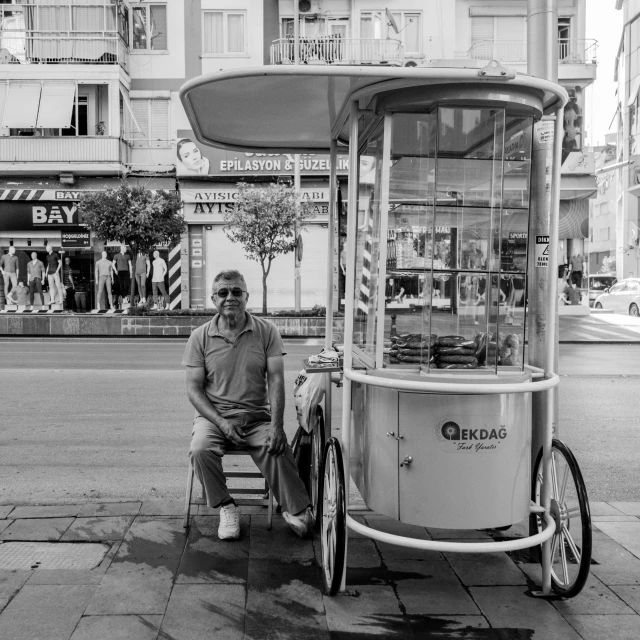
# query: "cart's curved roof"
{"points": [[289, 109]]}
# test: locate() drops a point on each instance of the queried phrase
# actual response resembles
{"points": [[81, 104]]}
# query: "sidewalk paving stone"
{"points": [[37, 529], [630, 594], [482, 569], [10, 583], [106, 528], [614, 519], [5, 510], [279, 543], [207, 559], [47, 612], [430, 587], [153, 538], [628, 508], [595, 598], [626, 534], [118, 628], [374, 611], [284, 596], [75, 576], [616, 565], [204, 612], [598, 627], [4, 524], [162, 508], [605, 509], [134, 588], [99, 509], [451, 627], [514, 608], [47, 511]]}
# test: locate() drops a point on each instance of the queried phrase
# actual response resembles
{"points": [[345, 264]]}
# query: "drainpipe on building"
{"points": [[296, 171], [542, 62]]}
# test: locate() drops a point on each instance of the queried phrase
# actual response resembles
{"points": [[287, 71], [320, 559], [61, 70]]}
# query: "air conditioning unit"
{"points": [[415, 63], [309, 6]]}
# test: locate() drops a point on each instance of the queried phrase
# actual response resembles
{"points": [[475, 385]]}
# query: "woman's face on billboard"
{"points": [[190, 156]]}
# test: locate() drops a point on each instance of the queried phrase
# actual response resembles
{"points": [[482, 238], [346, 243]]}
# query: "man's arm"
{"points": [[148, 267], [202, 404], [275, 378]]}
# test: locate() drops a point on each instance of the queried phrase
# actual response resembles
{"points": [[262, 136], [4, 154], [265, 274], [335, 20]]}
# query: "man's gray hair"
{"points": [[227, 274]]}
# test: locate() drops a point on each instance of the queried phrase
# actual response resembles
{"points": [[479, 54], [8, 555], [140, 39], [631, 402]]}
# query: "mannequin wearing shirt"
{"points": [[143, 266], [157, 280], [105, 269], [53, 275], [122, 262], [35, 275], [10, 272]]}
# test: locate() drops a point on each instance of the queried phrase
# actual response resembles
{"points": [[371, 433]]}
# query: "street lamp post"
{"points": [[296, 170]]}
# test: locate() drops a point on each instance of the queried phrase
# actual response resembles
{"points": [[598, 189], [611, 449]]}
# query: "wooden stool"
{"points": [[265, 499]]}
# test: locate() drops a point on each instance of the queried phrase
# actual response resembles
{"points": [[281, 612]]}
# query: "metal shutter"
{"points": [[22, 104], [159, 128], [481, 29], [314, 266], [140, 111], [56, 105]]}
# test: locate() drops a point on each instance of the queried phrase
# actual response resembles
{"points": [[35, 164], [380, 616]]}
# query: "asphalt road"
{"points": [[109, 420]]}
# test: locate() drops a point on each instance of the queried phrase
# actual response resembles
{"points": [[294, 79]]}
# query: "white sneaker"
{"points": [[229, 528], [300, 524]]}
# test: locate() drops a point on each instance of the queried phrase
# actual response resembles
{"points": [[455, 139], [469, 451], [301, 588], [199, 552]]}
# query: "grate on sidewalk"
{"points": [[51, 555]]}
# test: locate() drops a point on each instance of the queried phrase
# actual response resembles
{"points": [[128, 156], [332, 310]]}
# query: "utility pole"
{"points": [[296, 170]]}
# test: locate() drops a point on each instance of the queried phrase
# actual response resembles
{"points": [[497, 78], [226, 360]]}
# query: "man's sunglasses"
{"points": [[236, 292]]}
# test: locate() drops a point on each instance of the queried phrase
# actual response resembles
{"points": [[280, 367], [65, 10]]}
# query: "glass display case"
{"points": [[441, 251]]}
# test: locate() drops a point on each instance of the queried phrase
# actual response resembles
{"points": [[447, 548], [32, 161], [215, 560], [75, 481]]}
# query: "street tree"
{"points": [[133, 216], [263, 221]]}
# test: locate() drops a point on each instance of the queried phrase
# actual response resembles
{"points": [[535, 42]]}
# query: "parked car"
{"points": [[622, 297], [597, 284]]}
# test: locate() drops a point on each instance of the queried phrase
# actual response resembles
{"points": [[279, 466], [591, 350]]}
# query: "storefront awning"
{"points": [[56, 105], [577, 187], [21, 105], [574, 219]]}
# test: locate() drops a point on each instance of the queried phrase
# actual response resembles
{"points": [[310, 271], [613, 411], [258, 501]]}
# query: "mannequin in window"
{"points": [[35, 276], [105, 270], [69, 285], [10, 272], [143, 266], [124, 271], [53, 275], [157, 281]]}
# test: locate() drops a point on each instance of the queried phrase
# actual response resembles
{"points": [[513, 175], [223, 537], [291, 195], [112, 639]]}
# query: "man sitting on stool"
{"points": [[235, 381]]}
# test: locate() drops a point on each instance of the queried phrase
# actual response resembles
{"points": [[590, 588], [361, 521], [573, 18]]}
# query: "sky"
{"points": [[604, 24]]}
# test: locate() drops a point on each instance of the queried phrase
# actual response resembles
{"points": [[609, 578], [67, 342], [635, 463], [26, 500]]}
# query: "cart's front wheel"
{"points": [[571, 543], [333, 515]]}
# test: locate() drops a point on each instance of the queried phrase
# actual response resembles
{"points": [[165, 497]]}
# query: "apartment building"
{"points": [[105, 74], [625, 216]]}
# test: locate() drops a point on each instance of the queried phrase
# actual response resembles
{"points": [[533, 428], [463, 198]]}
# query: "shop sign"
{"points": [[194, 159], [231, 195], [75, 239], [26, 216]]}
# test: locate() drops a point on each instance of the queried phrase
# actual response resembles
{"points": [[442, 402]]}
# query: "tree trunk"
{"points": [[264, 291]]}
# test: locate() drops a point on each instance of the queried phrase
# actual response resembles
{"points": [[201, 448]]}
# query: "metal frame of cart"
{"points": [[313, 110]]}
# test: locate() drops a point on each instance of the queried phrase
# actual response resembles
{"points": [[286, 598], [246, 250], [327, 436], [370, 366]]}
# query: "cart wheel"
{"points": [[571, 544], [333, 528], [307, 452]]}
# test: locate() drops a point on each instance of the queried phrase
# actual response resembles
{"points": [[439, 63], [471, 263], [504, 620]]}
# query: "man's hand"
{"points": [[232, 433], [277, 440]]}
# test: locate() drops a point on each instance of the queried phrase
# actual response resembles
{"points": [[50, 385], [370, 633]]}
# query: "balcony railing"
{"points": [[570, 51], [337, 50], [64, 149], [27, 49]]}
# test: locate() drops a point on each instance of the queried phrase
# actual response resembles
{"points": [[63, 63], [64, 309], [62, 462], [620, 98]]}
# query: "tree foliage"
{"points": [[263, 221], [133, 216], [608, 265]]}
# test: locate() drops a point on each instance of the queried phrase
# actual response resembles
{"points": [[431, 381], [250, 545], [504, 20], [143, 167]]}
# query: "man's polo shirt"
{"points": [[9, 263], [235, 372]]}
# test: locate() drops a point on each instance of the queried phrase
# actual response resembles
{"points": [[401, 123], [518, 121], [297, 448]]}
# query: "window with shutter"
{"points": [[152, 116], [140, 109], [159, 129]]}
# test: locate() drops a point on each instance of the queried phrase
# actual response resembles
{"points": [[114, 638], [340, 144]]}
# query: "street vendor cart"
{"points": [[437, 392]]}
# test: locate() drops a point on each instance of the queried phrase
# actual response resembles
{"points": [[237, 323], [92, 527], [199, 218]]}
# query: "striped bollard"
{"points": [[175, 278]]}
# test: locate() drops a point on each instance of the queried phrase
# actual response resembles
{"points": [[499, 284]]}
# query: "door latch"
{"points": [[407, 461]]}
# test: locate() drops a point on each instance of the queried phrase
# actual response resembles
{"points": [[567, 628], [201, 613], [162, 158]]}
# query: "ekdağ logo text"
{"points": [[472, 438]]}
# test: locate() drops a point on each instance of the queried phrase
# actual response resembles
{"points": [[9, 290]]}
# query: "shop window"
{"points": [[149, 27], [224, 33], [152, 118]]}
